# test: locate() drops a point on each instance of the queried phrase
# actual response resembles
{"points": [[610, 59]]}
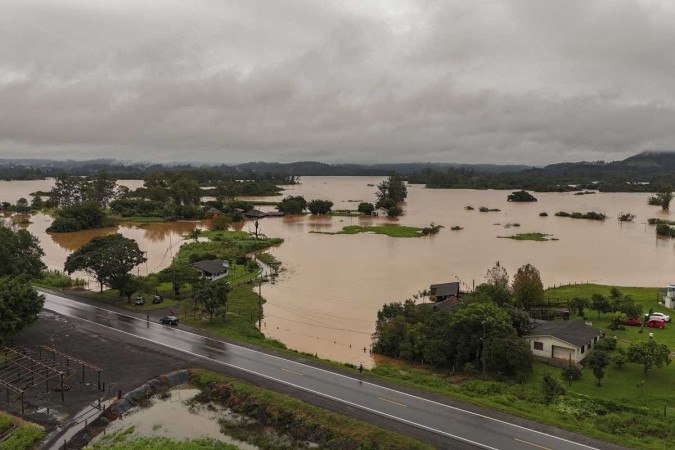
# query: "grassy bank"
{"points": [[646, 297], [24, 435], [225, 245], [124, 440], [301, 421], [399, 231]]}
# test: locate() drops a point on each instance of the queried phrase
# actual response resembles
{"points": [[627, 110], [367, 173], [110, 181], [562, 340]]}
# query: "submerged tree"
{"points": [[391, 191]]}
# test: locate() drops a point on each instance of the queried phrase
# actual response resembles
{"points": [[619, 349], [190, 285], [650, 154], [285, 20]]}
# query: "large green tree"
{"points": [[391, 191], [649, 354], [212, 295], [20, 253], [292, 205], [106, 258], [20, 304], [528, 290], [597, 361]]}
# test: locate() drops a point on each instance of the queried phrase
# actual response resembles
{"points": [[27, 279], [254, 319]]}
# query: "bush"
{"points": [[394, 211], [606, 344], [570, 373], [663, 229], [543, 214], [220, 223], [551, 388], [366, 208], [592, 215], [320, 207], [618, 360]]}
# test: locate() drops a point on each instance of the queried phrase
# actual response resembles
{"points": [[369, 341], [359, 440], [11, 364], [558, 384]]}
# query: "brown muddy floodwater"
{"points": [[326, 300]]}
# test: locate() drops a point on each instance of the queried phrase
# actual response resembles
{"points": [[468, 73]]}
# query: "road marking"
{"points": [[530, 443], [69, 303], [391, 401], [218, 350], [291, 371]]}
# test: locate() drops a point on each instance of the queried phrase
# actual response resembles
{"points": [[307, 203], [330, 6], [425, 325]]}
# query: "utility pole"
{"points": [[483, 350], [260, 300]]}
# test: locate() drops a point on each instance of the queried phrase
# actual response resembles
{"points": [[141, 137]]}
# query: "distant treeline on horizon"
{"points": [[639, 173]]}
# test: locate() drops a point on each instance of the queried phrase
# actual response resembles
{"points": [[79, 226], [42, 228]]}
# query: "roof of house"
{"points": [[574, 332], [212, 265], [255, 213], [445, 289], [447, 305]]}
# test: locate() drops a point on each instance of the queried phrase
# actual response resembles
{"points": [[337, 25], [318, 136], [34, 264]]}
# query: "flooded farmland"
{"points": [[326, 300]]}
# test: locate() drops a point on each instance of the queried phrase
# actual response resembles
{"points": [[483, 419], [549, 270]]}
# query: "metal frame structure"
{"points": [[24, 368]]}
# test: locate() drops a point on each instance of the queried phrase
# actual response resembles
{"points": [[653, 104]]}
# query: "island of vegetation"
{"points": [[399, 231], [521, 196], [484, 209], [591, 215], [538, 237]]}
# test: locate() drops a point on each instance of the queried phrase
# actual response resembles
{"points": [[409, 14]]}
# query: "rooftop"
{"points": [[574, 332], [445, 289], [212, 265]]}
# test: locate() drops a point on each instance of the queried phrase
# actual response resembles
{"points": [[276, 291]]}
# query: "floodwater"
{"points": [[326, 300], [173, 418]]}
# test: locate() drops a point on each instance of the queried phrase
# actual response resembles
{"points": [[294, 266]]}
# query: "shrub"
{"points": [[320, 207], [366, 208], [220, 223], [606, 344], [394, 211], [551, 388], [543, 214], [570, 373], [486, 209]]}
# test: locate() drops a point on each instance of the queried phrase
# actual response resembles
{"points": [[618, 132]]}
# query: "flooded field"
{"points": [[326, 300]]}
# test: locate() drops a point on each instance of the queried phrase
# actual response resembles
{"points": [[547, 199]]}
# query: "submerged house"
{"points": [[444, 291], [212, 269], [562, 340]]}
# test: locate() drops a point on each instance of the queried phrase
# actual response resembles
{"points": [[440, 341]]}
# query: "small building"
{"points": [[444, 291], [255, 214], [212, 269], [562, 340]]}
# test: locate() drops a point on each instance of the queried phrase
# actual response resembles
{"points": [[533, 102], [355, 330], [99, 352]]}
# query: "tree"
{"points": [[20, 253], [498, 276], [292, 205], [649, 354], [185, 191], [20, 304], [578, 304], [508, 355], [394, 211], [600, 304], [392, 190], [67, 191], [528, 290], [212, 296], [495, 292], [617, 320], [628, 306], [320, 207], [551, 388], [665, 196], [597, 361], [195, 233], [100, 189], [618, 360], [81, 216], [106, 258], [22, 206], [366, 208], [37, 202], [179, 275], [127, 285]]}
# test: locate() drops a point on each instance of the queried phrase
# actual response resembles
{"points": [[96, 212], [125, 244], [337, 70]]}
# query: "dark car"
{"points": [[169, 320], [633, 322], [655, 323], [138, 301], [157, 299]]}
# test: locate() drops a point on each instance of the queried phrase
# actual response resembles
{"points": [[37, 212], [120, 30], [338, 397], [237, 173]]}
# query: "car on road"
{"points": [[633, 322], [655, 323], [157, 299], [658, 315], [138, 301], [169, 320]]}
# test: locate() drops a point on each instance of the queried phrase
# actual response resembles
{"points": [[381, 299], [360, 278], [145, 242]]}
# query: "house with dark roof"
{"points": [[444, 291], [562, 340], [212, 269]]}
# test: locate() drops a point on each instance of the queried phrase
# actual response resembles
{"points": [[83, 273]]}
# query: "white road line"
{"points": [[351, 378], [391, 401]]}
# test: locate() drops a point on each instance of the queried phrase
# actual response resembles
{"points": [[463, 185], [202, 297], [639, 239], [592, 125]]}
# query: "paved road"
{"points": [[469, 428]]}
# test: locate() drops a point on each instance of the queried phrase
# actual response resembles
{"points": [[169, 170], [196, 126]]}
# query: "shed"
{"points": [[212, 269]]}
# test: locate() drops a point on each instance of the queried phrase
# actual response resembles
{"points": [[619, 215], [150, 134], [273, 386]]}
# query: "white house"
{"points": [[213, 269], [562, 340]]}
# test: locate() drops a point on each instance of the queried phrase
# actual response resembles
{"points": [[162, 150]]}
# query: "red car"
{"points": [[655, 323], [633, 322]]}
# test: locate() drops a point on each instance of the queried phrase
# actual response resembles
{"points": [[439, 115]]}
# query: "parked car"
{"points": [[157, 299], [658, 315], [169, 320], [633, 322], [655, 323], [138, 301]]}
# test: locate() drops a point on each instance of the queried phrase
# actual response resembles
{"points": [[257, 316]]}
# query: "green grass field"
{"points": [[24, 437], [647, 297], [399, 231]]}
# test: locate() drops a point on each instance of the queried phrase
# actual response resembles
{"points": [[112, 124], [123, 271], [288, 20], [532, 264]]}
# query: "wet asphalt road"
{"points": [[465, 428]]}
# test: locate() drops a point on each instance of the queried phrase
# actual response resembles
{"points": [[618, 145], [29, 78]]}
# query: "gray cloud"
{"points": [[346, 81]]}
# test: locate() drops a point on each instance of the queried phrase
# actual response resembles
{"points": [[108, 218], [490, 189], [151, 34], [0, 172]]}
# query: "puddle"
{"points": [[173, 415]]}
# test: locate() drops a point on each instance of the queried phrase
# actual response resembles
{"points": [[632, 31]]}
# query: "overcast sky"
{"points": [[529, 81]]}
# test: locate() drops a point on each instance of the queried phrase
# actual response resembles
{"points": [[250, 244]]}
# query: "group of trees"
{"points": [[20, 263], [455, 340], [390, 194], [623, 306], [297, 205], [662, 198], [71, 190]]}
